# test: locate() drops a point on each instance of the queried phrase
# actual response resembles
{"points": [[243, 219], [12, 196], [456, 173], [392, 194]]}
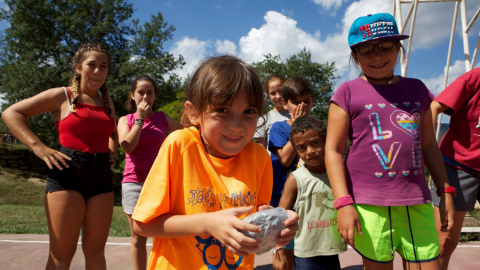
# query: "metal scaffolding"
{"points": [[412, 15]]}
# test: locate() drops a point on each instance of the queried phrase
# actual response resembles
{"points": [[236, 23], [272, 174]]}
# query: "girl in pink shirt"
{"points": [[140, 135]]}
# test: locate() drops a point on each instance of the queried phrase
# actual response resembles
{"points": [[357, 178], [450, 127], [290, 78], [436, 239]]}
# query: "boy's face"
{"points": [[310, 146], [291, 105]]}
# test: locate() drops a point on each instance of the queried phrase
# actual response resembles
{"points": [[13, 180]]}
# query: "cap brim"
{"points": [[394, 37]]}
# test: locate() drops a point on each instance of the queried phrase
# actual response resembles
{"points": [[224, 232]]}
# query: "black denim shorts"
{"points": [[89, 174]]}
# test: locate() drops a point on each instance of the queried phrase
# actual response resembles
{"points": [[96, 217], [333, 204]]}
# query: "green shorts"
{"points": [[409, 230]]}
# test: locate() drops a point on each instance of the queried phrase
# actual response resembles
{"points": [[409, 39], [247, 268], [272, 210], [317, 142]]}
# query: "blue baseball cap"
{"points": [[373, 27]]}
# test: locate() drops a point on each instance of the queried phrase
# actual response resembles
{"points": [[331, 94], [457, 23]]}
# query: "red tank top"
{"points": [[87, 130]]}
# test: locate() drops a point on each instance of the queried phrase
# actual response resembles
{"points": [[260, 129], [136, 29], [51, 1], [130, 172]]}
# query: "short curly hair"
{"points": [[305, 123]]}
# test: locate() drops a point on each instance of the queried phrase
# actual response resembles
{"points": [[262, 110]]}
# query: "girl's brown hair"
{"points": [[221, 79], [131, 106], [77, 60], [273, 78]]}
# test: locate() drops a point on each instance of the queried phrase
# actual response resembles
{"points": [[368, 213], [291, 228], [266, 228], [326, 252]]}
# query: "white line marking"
{"points": [[48, 242]]}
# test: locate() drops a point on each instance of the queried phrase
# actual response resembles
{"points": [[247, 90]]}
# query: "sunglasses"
{"points": [[382, 46]]}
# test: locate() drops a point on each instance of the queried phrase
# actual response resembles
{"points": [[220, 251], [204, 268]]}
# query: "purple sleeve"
{"points": [[341, 97]]}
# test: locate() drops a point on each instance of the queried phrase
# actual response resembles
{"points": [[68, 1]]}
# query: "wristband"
{"points": [[444, 190], [342, 201], [139, 122], [274, 250]]}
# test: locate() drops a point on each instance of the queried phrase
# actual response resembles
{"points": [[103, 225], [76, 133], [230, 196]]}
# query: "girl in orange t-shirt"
{"points": [[209, 175]]}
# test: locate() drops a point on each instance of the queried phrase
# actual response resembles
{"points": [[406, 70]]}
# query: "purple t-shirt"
{"points": [[384, 165], [139, 162]]}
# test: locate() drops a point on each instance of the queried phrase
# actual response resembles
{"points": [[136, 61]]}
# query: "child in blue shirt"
{"points": [[297, 93]]}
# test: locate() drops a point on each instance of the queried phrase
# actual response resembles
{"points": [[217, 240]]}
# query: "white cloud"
{"points": [[429, 29], [193, 52], [329, 4], [280, 35], [437, 84], [433, 23], [226, 47]]}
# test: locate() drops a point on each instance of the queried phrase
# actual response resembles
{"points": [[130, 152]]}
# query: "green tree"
{"points": [[321, 75], [44, 34], [148, 58]]}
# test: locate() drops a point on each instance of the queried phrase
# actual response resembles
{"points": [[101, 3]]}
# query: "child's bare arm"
{"points": [[289, 192], [288, 197], [437, 108], [286, 155], [347, 219], [223, 225], [16, 116], [434, 163]]}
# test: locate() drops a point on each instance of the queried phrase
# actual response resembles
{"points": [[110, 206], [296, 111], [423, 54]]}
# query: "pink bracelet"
{"points": [[342, 201]]}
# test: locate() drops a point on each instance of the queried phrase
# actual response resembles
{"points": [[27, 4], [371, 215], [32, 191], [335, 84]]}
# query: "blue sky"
{"points": [[250, 29]]}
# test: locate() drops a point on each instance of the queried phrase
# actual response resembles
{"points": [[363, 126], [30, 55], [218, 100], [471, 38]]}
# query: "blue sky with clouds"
{"points": [[250, 29]]}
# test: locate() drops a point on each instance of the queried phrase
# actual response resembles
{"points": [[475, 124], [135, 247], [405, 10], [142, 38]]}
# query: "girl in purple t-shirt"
{"points": [[140, 135], [383, 202]]}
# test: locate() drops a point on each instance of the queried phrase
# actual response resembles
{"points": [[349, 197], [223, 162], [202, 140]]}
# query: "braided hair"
{"points": [[77, 60]]}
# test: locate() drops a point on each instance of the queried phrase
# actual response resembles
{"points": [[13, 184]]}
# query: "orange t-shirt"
{"points": [[186, 180]]}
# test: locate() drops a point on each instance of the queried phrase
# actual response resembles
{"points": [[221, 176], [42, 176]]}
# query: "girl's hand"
{"points": [[288, 233], [51, 156], [225, 226], [263, 207], [447, 212], [347, 221], [143, 109], [111, 158]]}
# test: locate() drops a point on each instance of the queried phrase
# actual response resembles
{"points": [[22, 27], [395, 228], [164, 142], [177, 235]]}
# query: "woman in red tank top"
{"points": [[79, 183]]}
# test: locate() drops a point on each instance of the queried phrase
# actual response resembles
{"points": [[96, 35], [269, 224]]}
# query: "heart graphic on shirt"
{"points": [[368, 106], [407, 122]]}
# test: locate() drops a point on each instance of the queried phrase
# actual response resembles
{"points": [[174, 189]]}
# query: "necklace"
{"points": [[387, 80]]}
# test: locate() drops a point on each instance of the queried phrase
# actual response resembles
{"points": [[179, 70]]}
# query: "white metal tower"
{"points": [[412, 15]]}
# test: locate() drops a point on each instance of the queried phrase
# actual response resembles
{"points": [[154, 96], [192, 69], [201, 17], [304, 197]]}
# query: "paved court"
{"points": [[29, 251]]}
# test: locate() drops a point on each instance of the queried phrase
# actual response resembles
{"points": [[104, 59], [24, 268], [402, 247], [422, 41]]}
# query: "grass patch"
{"points": [[21, 192], [22, 219], [119, 225], [474, 236], [22, 207], [475, 213], [469, 237]]}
